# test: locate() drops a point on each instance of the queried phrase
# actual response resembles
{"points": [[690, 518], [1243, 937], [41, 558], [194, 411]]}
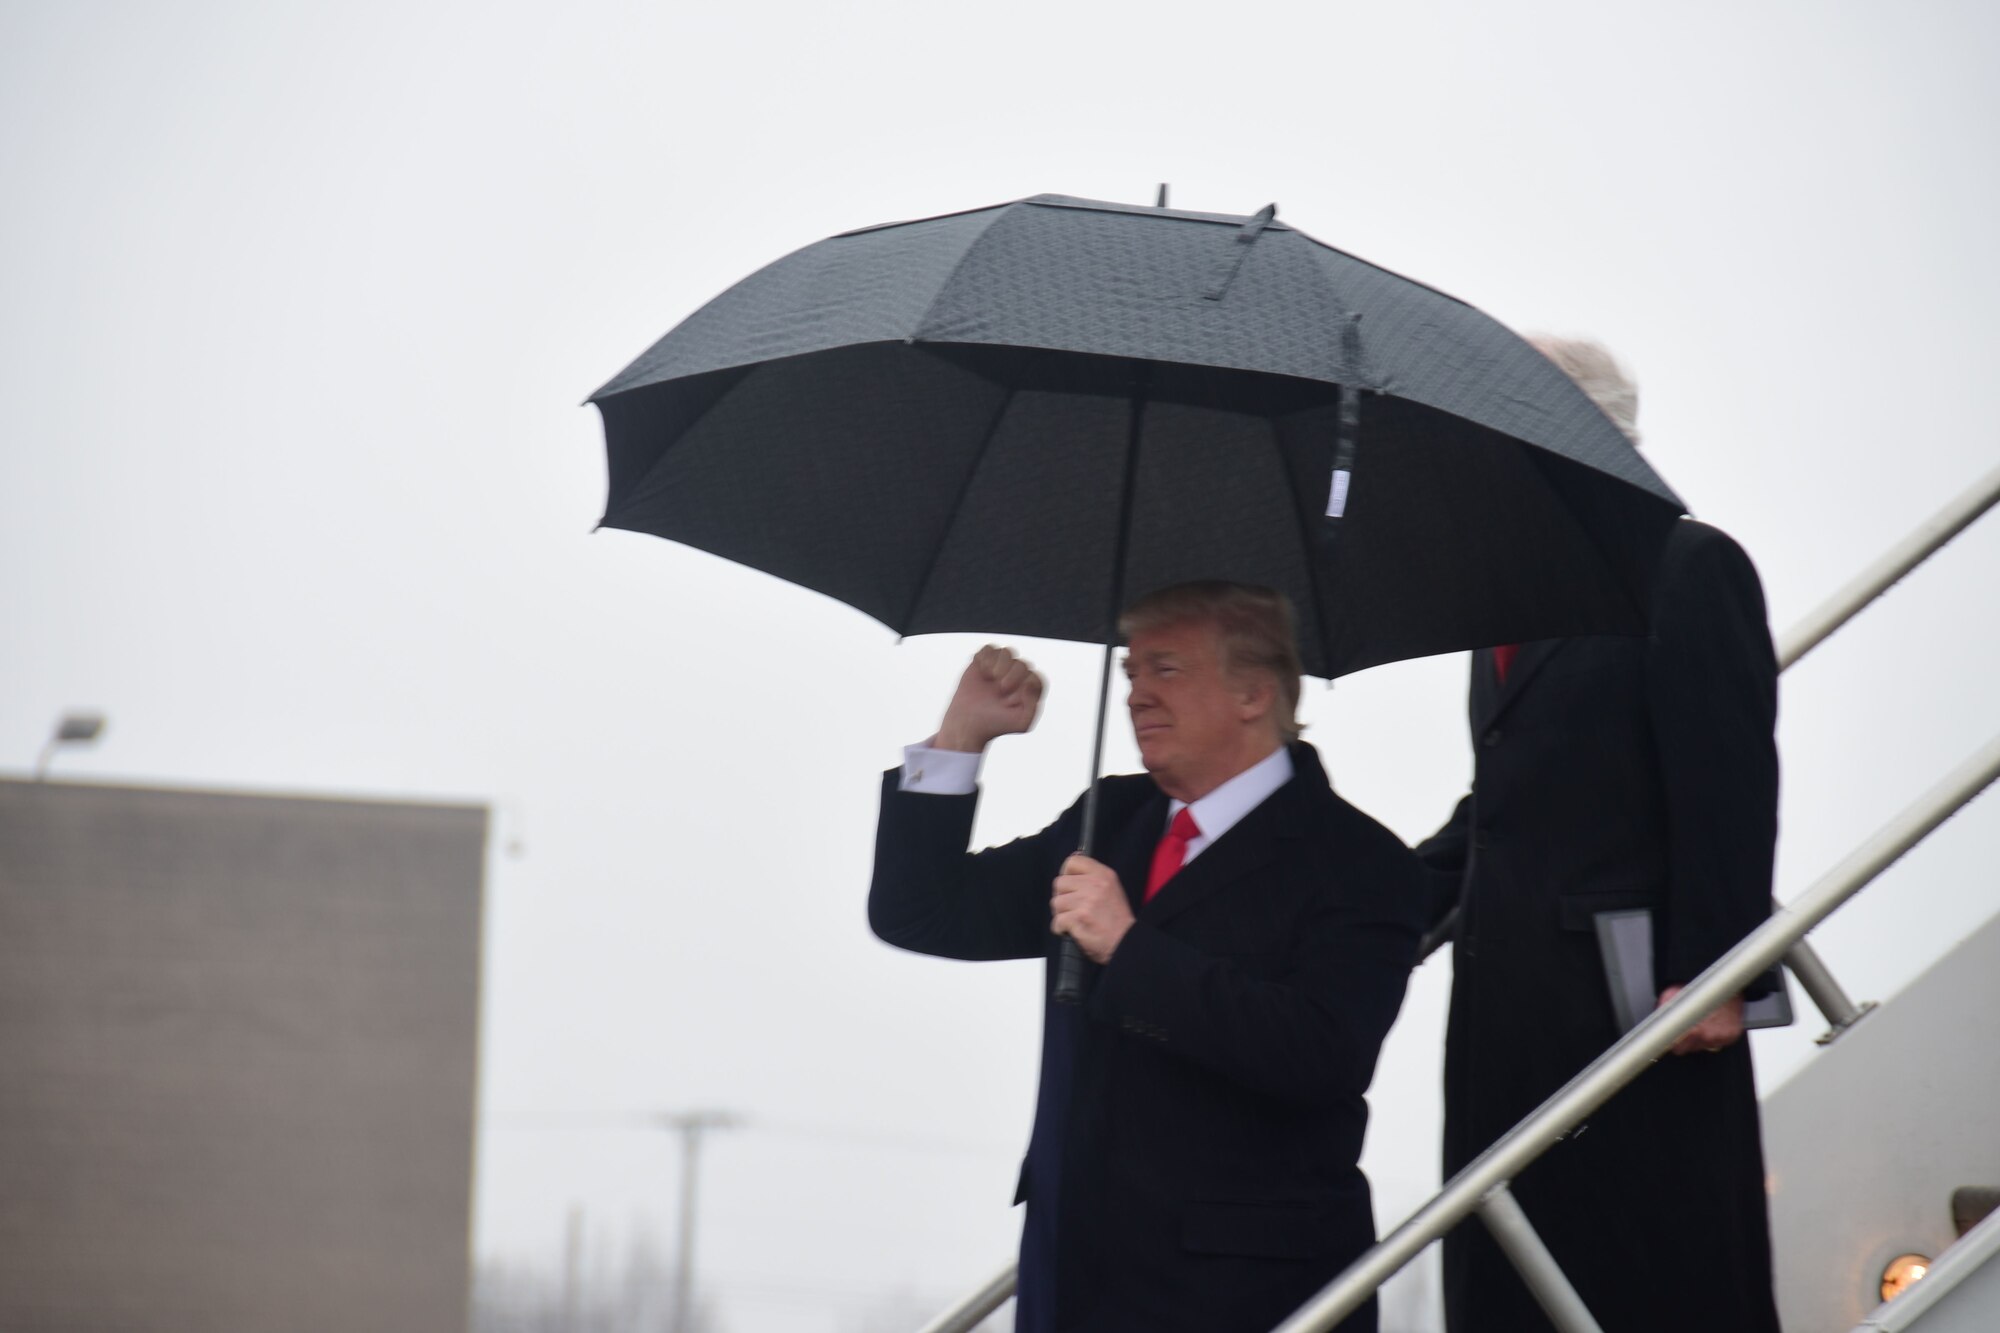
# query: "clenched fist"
{"points": [[1090, 907], [998, 695]]}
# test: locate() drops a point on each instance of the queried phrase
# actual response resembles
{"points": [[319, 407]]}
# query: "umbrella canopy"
{"points": [[1016, 419]]}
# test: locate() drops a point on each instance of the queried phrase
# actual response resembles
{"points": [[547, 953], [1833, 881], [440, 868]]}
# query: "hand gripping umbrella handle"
{"points": [[1069, 954]]}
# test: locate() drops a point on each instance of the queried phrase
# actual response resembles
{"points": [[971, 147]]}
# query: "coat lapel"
{"points": [[1498, 698], [1131, 856]]}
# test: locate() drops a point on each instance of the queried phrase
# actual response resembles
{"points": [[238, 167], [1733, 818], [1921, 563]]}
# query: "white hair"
{"points": [[1598, 374]]}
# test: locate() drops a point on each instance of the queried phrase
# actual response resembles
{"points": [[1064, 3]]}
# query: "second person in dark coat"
{"points": [[1611, 774]]}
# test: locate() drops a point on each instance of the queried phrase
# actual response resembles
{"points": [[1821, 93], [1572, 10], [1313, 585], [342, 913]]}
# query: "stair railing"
{"points": [[1486, 1177], [1804, 963]]}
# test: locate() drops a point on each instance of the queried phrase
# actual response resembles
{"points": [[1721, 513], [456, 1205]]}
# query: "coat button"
{"points": [[1491, 738]]}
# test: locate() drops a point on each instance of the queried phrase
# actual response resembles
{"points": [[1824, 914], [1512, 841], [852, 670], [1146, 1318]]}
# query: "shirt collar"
{"points": [[1219, 811]]}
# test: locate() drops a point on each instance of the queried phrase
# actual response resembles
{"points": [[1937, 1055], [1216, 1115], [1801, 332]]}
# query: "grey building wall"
{"points": [[238, 1042]]}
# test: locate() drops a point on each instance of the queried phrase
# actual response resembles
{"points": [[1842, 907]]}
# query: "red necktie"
{"points": [[1172, 851], [1503, 657]]}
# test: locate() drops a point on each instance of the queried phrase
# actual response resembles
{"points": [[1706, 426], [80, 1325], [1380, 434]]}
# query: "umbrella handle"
{"points": [[1069, 972]]}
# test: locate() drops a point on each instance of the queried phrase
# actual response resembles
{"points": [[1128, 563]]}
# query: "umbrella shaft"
{"points": [[1142, 374], [1097, 753], [1069, 958]]}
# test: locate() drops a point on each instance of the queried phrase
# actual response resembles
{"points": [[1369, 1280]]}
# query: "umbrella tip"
{"points": [[1161, 200]]}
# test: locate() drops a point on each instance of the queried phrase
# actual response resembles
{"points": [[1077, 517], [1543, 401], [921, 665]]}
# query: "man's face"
{"points": [[1187, 715]]}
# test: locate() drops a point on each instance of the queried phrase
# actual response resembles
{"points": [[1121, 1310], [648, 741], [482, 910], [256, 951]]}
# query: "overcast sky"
{"points": [[297, 305]]}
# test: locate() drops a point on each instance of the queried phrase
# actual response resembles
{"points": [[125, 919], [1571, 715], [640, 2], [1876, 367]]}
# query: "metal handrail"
{"points": [[1828, 996], [1808, 633], [1630, 1056], [1889, 568], [1543, 1276], [1841, 1012], [967, 1314]]}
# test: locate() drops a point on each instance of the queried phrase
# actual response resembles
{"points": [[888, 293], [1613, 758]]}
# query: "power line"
{"points": [[629, 1121]]}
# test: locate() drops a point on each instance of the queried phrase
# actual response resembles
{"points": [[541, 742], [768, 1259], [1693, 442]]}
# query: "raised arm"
{"points": [[929, 894]]}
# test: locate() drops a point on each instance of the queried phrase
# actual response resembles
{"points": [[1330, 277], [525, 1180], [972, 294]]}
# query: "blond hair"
{"points": [[1254, 625], [1598, 374]]}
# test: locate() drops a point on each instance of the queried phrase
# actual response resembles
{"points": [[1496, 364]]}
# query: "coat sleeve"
{"points": [[1444, 856], [930, 895], [1310, 1034], [1711, 685]]}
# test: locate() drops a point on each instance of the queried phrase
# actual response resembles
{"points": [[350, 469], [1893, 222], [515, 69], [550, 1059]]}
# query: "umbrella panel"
{"points": [[979, 489], [851, 499], [1457, 536]]}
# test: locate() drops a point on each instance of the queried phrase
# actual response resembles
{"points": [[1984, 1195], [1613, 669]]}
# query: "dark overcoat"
{"points": [[1193, 1163], [1616, 773]]}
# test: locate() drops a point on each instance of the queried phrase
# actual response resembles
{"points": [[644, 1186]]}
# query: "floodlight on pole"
{"points": [[71, 729], [690, 1125]]}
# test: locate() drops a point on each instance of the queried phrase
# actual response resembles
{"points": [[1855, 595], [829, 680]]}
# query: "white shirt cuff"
{"points": [[940, 772]]}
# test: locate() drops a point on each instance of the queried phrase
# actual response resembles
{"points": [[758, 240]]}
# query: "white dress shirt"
{"points": [[1219, 811], [956, 773]]}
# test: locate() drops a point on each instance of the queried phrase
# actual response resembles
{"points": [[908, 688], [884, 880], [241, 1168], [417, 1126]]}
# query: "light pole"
{"points": [[691, 1125], [73, 729]]}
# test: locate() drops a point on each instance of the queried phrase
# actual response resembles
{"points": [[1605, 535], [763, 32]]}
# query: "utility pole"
{"points": [[690, 1125], [573, 1273]]}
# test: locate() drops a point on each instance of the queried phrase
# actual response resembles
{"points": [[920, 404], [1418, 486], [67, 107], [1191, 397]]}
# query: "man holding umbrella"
{"points": [[1008, 421], [1193, 1161]]}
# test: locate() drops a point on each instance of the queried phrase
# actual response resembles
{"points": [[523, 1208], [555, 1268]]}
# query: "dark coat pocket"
{"points": [[1258, 1230]]}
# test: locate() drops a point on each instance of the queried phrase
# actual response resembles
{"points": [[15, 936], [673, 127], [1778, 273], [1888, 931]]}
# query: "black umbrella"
{"points": [[1017, 419]]}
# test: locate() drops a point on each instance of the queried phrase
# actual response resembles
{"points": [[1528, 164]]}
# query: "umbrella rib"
{"points": [[957, 504], [930, 306], [1386, 272], [741, 374]]}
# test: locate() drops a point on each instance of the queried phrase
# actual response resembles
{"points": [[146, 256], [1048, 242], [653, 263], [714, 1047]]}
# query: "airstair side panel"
{"points": [[1960, 1295], [1867, 1141]]}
